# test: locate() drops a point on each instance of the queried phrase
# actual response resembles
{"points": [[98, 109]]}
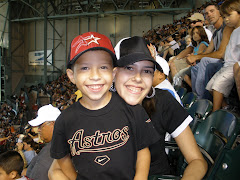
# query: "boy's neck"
{"points": [[95, 105]]}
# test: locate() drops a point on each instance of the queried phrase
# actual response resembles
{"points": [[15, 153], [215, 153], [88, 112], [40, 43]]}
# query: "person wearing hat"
{"points": [[133, 82], [179, 62], [107, 138], [197, 19], [160, 80], [212, 59], [45, 120]]}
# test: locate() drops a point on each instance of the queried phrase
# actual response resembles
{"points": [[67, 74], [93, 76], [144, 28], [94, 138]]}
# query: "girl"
{"points": [[133, 81], [200, 43]]}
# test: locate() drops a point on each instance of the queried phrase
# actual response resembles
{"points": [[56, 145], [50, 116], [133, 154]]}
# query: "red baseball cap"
{"points": [[89, 41]]}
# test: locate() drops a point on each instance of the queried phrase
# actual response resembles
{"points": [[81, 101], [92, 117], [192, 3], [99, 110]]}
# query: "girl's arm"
{"points": [[143, 164], [62, 169], [202, 48], [197, 166]]}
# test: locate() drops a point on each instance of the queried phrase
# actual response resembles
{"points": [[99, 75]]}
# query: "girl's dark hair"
{"points": [[149, 105], [202, 34], [230, 5]]}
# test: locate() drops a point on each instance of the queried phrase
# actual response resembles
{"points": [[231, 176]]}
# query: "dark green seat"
{"points": [[214, 133], [189, 99], [158, 177], [199, 110], [176, 87], [212, 136], [226, 165], [181, 92]]}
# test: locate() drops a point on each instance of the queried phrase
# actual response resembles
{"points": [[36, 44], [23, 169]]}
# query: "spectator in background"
{"points": [[222, 82], [11, 166], [179, 62], [160, 80], [45, 120], [236, 70], [170, 47], [213, 54], [28, 147]]}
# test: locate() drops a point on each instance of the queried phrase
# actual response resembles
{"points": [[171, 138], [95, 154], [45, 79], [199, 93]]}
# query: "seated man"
{"points": [[213, 54]]}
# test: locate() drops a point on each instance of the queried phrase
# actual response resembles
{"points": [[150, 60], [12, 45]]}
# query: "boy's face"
{"points": [[93, 75], [232, 19], [4, 175], [158, 78]]}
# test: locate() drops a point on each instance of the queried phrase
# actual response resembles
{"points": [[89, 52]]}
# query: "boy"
{"points": [[222, 82], [107, 138], [11, 166], [160, 80]]}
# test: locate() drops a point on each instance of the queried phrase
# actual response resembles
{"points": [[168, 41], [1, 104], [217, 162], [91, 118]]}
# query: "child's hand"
{"points": [[20, 146]]}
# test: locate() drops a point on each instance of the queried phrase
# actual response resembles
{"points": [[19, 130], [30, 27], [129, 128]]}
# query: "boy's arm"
{"points": [[142, 164], [67, 167]]}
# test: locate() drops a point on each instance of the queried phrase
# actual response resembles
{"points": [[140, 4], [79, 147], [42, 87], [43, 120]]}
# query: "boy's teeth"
{"points": [[95, 86]]}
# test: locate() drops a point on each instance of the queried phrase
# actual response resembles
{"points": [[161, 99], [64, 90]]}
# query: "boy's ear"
{"points": [[70, 75], [114, 72], [13, 174]]}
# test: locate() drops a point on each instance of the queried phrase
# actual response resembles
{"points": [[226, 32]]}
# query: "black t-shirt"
{"points": [[169, 117], [103, 143]]}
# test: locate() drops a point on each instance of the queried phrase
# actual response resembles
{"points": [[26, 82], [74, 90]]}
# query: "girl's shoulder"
{"points": [[203, 42]]}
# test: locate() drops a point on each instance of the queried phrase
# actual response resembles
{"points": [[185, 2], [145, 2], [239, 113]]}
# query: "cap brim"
{"points": [[134, 57], [36, 122], [70, 63]]}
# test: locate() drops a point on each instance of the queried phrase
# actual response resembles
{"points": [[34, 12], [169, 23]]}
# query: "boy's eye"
{"points": [[84, 68], [104, 67]]}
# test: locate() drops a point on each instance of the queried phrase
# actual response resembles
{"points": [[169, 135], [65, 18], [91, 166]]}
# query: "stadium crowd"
{"points": [[169, 40]]}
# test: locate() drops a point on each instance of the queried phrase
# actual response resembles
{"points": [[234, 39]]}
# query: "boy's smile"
{"points": [[93, 74]]}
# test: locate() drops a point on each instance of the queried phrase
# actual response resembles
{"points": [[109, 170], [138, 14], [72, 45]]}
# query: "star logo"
{"points": [[148, 121], [85, 42], [102, 160]]}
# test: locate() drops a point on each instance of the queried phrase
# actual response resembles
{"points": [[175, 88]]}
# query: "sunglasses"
{"points": [[194, 22]]}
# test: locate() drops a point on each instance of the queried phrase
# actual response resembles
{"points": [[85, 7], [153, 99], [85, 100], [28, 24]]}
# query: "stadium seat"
{"points": [[215, 132], [212, 135], [158, 177], [189, 99], [181, 92], [226, 165], [199, 110]]}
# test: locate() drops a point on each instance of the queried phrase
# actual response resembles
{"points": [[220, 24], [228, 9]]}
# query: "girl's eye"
{"points": [[128, 68], [148, 71]]}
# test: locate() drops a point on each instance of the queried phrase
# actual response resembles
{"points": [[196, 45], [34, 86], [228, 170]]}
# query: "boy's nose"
{"points": [[95, 74]]}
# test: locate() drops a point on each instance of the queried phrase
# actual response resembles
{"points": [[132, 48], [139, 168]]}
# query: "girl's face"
{"points": [[134, 81], [233, 19], [196, 36]]}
